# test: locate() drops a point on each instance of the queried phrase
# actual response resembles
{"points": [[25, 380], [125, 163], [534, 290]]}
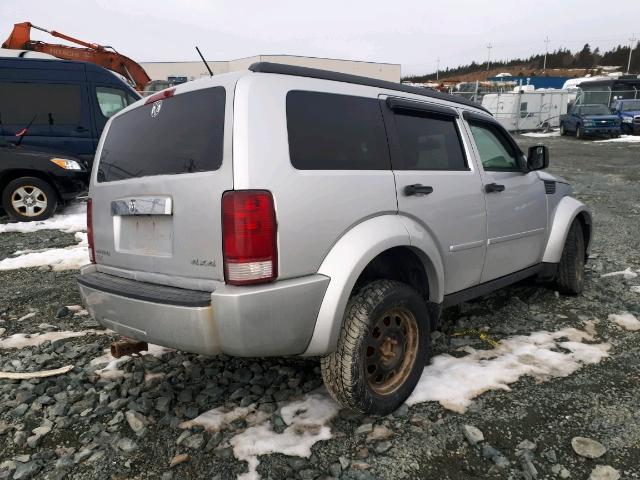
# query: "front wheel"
{"points": [[29, 199], [563, 130], [579, 132], [382, 350], [570, 277]]}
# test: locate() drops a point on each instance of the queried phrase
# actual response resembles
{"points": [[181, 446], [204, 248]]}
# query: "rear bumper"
{"points": [[264, 320]]}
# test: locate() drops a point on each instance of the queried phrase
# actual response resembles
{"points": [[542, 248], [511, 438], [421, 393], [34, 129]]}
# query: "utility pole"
{"points": [[632, 44], [489, 47], [546, 52], [438, 70]]}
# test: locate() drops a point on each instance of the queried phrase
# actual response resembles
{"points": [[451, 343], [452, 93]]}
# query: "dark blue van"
{"points": [[67, 103]]}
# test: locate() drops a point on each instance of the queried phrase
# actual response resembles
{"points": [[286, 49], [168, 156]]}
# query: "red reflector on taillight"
{"points": [[92, 251], [160, 95], [249, 237]]}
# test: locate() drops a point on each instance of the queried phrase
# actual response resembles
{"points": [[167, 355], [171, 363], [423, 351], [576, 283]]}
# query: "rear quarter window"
{"points": [[181, 134], [336, 132]]}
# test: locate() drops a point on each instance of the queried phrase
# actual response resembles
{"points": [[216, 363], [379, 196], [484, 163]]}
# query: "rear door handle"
{"points": [[417, 189], [493, 187]]}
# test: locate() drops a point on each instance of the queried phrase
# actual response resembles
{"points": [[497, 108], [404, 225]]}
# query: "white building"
{"points": [[196, 69]]}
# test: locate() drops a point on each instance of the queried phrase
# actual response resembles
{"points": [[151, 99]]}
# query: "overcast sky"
{"points": [[413, 33]]}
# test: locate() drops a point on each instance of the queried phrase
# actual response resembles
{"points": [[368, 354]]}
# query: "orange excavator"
{"points": [[107, 57]]}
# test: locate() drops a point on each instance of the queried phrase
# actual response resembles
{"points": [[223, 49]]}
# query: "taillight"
{"points": [[249, 237], [92, 251]]}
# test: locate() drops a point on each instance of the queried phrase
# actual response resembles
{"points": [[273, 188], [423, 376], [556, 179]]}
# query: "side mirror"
{"points": [[538, 157]]}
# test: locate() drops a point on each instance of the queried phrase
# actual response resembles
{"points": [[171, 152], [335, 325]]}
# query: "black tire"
{"points": [[570, 276], [563, 131], [381, 313], [29, 199], [579, 132]]}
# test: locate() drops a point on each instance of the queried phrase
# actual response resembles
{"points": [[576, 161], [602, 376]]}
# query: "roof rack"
{"points": [[284, 69]]}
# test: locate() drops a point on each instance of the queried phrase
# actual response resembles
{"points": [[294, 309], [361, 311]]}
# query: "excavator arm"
{"points": [[107, 57]]}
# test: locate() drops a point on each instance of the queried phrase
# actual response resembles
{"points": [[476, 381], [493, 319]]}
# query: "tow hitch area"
{"points": [[127, 346]]}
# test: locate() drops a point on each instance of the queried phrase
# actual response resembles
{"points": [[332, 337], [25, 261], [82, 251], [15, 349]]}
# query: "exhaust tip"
{"points": [[126, 347]]}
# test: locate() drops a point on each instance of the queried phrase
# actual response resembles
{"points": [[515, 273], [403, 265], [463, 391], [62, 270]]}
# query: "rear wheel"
{"points": [[570, 277], [28, 199], [382, 349]]}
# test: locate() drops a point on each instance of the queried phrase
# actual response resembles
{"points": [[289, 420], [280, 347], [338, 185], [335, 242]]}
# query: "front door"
{"points": [[438, 184], [515, 199]]}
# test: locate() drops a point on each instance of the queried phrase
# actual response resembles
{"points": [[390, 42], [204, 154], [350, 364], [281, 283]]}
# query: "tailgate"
{"points": [[158, 182]]}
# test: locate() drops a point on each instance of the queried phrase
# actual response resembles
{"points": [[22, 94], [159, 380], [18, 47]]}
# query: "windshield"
{"points": [[594, 110], [631, 106]]}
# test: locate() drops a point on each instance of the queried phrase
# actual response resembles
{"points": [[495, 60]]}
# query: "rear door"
{"points": [[515, 200], [157, 186], [438, 185]]}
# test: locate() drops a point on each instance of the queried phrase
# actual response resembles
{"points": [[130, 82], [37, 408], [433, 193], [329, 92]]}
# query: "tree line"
{"points": [[560, 58]]}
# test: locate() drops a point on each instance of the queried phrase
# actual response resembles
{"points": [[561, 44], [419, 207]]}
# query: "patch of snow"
{"points": [[21, 340], [306, 421], [454, 382], [621, 139], [72, 218], [635, 289], [626, 320], [627, 274], [219, 418], [111, 368], [68, 258], [554, 133]]}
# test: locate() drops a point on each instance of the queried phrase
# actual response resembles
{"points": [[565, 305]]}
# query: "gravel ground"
{"points": [[83, 425]]}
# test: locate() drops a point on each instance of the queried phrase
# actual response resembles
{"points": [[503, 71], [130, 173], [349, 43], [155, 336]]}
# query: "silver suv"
{"points": [[293, 211]]}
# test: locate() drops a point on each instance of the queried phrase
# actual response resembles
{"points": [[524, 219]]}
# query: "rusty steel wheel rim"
{"points": [[390, 350]]}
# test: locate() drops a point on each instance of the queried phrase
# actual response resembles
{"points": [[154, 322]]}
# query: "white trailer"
{"points": [[526, 109]]}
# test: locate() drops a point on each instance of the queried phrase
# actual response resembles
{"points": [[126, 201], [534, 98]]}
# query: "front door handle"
{"points": [[417, 189], [493, 187]]}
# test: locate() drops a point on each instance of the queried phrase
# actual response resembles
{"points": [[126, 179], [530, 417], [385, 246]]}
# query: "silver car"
{"points": [[293, 211]]}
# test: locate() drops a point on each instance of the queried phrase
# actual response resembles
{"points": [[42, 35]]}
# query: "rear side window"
{"points": [[182, 134], [336, 132], [429, 143], [45, 104]]}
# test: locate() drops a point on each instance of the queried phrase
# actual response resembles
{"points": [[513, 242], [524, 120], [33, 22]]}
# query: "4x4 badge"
{"points": [[132, 206], [155, 108]]}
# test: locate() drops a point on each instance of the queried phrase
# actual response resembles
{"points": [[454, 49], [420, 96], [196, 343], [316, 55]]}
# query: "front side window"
{"points": [[497, 153], [111, 100], [40, 104], [429, 143], [335, 132]]}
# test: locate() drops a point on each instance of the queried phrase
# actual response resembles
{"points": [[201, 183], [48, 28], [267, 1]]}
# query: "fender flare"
{"points": [[565, 213], [348, 258]]}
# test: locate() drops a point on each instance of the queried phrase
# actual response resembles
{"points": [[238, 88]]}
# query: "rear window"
{"points": [[182, 134], [40, 104], [336, 132]]}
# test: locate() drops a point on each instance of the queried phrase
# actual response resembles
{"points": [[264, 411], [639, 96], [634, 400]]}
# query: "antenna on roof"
{"points": [[204, 61]]}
